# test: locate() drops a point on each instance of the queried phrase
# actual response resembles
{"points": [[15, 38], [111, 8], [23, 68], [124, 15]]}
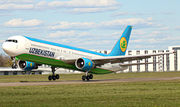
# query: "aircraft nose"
{"points": [[5, 47], [8, 48]]}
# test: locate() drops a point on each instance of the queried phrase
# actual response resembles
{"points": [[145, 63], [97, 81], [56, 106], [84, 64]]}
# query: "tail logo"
{"points": [[89, 64], [123, 44]]}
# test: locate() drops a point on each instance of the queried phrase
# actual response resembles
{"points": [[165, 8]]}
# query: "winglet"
{"points": [[122, 44]]}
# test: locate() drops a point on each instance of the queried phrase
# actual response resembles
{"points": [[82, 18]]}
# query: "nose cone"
{"points": [[5, 47], [8, 49]]}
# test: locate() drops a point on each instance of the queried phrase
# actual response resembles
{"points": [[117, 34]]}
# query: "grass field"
{"points": [[31, 78], [152, 93]]}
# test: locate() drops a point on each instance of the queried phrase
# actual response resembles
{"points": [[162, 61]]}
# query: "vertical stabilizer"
{"points": [[122, 44]]}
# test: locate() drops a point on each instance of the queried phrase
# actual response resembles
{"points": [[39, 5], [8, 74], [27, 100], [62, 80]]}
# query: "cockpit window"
{"points": [[10, 40]]}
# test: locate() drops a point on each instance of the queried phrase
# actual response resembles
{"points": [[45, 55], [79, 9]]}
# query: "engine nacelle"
{"points": [[26, 65], [84, 64]]}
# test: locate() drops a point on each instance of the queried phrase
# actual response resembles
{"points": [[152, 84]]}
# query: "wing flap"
{"points": [[130, 64]]}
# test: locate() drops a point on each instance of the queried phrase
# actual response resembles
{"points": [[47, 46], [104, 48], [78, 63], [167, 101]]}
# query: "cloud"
{"points": [[89, 10], [22, 23], [138, 32], [119, 14], [150, 19], [62, 34], [116, 24], [84, 3], [90, 36], [153, 40], [76, 6], [167, 13], [83, 39], [140, 14], [143, 47], [16, 7], [177, 28], [120, 23], [72, 26], [107, 41], [16, 1], [164, 28], [3, 15], [156, 34], [136, 41]]}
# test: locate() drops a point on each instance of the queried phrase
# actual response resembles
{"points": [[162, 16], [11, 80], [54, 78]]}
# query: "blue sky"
{"points": [[93, 24]]}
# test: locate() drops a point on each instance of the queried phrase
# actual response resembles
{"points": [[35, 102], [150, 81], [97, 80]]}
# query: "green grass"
{"points": [[141, 94], [31, 78], [155, 93]]}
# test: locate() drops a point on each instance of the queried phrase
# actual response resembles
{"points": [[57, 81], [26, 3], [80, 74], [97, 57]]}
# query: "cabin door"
{"points": [[27, 44]]}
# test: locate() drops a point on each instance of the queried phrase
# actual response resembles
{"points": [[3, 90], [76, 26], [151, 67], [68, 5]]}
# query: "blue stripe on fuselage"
{"points": [[65, 46]]}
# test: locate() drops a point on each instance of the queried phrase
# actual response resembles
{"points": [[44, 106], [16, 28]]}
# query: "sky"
{"points": [[93, 24]]}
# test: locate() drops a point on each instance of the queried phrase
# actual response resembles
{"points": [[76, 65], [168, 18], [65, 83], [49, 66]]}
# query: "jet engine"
{"points": [[84, 64], [26, 65]]}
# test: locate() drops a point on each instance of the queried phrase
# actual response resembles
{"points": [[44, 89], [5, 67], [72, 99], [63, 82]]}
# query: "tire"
{"points": [[57, 76], [50, 78], [12, 66], [15, 67], [83, 77], [54, 77], [91, 76], [87, 78]]}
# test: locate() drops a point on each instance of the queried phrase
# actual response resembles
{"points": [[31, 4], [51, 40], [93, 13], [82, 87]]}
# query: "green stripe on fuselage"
{"points": [[44, 60], [57, 63]]}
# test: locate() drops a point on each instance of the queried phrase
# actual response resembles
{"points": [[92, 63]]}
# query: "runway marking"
{"points": [[86, 82]]}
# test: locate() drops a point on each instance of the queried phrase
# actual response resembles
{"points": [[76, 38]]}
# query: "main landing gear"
{"points": [[53, 76], [87, 77]]}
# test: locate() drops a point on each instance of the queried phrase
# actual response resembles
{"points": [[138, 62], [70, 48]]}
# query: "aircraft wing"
{"points": [[117, 59], [121, 59]]}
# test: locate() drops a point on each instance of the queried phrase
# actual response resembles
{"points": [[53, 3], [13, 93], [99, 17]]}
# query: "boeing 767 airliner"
{"points": [[31, 52]]}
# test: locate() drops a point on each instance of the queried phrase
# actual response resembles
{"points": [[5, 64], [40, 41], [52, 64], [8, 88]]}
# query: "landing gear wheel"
{"points": [[83, 77], [87, 77], [91, 76], [54, 77], [50, 78], [14, 66], [57, 76]]}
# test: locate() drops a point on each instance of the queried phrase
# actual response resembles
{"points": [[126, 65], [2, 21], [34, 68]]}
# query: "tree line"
{"points": [[5, 61]]}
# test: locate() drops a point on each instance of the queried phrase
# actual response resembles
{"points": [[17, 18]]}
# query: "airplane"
{"points": [[31, 52]]}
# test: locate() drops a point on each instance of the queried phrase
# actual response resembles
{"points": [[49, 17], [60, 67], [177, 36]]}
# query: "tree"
{"points": [[5, 61]]}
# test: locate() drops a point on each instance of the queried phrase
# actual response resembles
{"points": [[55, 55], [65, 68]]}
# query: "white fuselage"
{"points": [[24, 45], [17, 45]]}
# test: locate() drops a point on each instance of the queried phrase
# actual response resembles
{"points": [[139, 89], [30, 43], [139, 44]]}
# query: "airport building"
{"points": [[162, 63], [18, 71]]}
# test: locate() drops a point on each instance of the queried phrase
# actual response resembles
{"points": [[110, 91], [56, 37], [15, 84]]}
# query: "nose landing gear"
{"points": [[14, 66]]}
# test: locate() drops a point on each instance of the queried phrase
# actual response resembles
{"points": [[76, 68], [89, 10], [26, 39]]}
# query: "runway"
{"points": [[86, 82]]}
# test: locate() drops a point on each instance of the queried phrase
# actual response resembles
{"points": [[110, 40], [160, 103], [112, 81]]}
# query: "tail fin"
{"points": [[122, 44]]}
